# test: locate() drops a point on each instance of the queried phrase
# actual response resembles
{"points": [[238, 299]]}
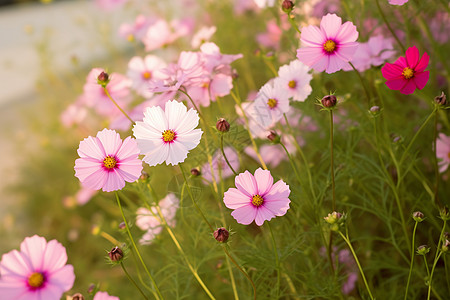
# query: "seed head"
{"points": [[221, 235], [329, 101], [441, 99], [116, 254]]}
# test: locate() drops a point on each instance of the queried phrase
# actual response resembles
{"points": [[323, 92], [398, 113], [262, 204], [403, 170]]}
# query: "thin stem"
{"points": [[346, 239], [177, 244], [193, 103], [240, 269], [117, 105], [158, 293], [332, 162], [432, 272], [389, 27], [193, 200], [277, 259], [436, 168], [292, 162], [291, 20], [132, 280], [412, 260], [224, 156]]}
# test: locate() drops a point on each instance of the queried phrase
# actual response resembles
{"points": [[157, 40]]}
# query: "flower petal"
{"points": [[246, 183], [245, 214], [330, 25], [412, 57], [234, 198], [175, 112], [347, 33], [423, 63], [264, 181], [312, 36], [110, 140], [421, 79]]}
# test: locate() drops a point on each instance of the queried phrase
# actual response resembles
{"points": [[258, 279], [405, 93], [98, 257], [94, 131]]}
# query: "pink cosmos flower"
{"points": [[407, 73], [202, 36], [270, 38], [264, 3], [142, 70], [167, 135], [74, 114], [110, 5], [329, 47], [256, 198], [104, 296], [219, 163], [295, 78], [161, 33], [136, 30], [106, 162], [37, 272], [443, 151], [397, 2], [270, 104]]}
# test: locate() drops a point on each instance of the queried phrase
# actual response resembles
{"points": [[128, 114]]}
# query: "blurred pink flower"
{"points": [[443, 151], [264, 3], [397, 2], [37, 272], [440, 26], [106, 162], [407, 73], [104, 296], [322, 7], [160, 33], [256, 198], [84, 194], [270, 38], [74, 114], [270, 104], [219, 163], [202, 36], [109, 5], [329, 47], [167, 135], [94, 95], [295, 78], [137, 30], [142, 70]]}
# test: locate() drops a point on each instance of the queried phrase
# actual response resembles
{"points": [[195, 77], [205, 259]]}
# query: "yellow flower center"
{"points": [[36, 280], [408, 73], [168, 135], [272, 102], [257, 200], [146, 75], [292, 84], [329, 46], [130, 37], [109, 162]]}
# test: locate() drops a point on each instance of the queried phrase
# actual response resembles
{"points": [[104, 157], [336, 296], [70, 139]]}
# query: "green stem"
{"points": [[225, 157], [362, 83], [277, 260], [132, 280], [292, 163], [436, 168], [158, 293], [332, 162], [291, 20], [117, 105], [346, 239], [412, 260], [432, 272], [389, 27]]}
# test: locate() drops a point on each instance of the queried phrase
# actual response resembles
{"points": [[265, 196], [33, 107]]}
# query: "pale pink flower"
{"points": [[242, 6], [84, 194], [329, 47], [74, 114], [271, 38], [210, 88], [37, 272], [142, 70], [94, 95], [215, 61], [167, 135], [202, 36], [397, 2], [160, 33], [270, 104], [220, 165], [264, 3], [150, 221], [106, 162], [109, 5], [440, 26], [104, 296], [295, 78], [443, 151], [256, 198], [136, 30]]}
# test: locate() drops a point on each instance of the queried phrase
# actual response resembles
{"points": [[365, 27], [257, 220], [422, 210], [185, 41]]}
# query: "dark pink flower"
{"points": [[407, 73]]}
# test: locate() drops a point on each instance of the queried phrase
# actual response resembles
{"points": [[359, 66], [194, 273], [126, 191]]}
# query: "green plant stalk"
{"points": [[432, 272], [224, 156], [117, 105], [333, 187], [132, 280], [389, 27], [277, 259], [158, 293], [436, 168], [366, 91], [346, 239], [412, 260], [292, 163], [177, 244], [291, 20]]}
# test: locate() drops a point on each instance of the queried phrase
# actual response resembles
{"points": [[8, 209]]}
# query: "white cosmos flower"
{"points": [[295, 79], [167, 135]]}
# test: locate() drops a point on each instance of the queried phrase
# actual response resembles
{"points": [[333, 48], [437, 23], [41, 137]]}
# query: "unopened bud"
{"points": [[221, 235], [222, 125], [116, 254], [91, 288], [441, 99], [418, 216], [423, 250], [144, 176], [287, 6], [329, 101], [445, 214], [103, 79], [122, 226], [273, 137], [445, 246], [195, 172], [77, 296]]}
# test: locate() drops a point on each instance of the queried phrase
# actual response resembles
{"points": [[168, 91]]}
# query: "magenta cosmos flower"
{"points": [[106, 162], [256, 198], [407, 73], [167, 135], [37, 272], [329, 47]]}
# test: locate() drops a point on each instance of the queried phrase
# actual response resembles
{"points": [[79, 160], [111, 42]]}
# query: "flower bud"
{"points": [[445, 246], [144, 176], [221, 235], [335, 220], [122, 226], [273, 137], [287, 6], [116, 254], [222, 125], [91, 289], [441, 99], [76, 296], [103, 79], [329, 101], [195, 172], [423, 250], [374, 110], [418, 216], [445, 214], [447, 235]]}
